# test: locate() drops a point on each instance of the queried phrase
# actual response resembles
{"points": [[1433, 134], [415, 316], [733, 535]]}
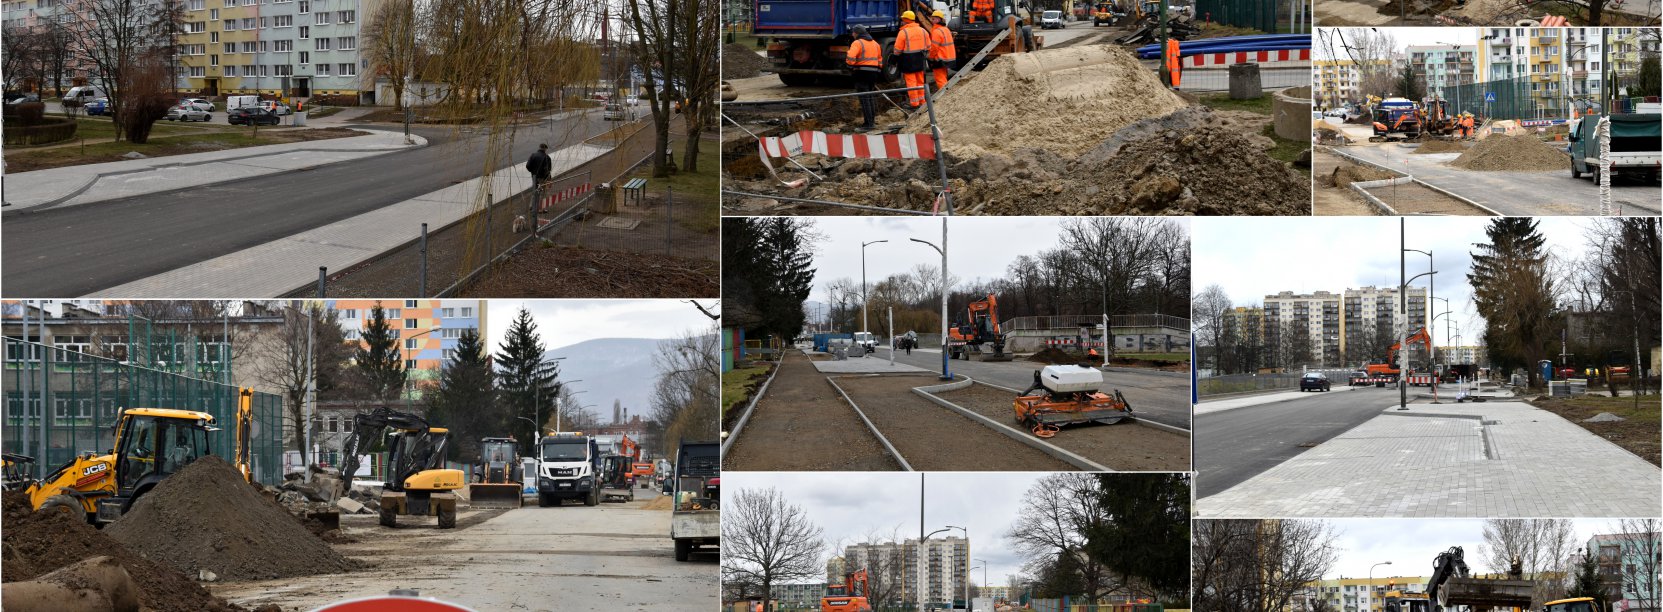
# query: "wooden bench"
{"points": [[636, 187]]}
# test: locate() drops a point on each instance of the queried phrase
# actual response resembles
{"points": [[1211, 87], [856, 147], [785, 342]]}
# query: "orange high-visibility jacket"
{"points": [[981, 6], [1172, 62], [912, 39], [865, 54], [941, 44]]}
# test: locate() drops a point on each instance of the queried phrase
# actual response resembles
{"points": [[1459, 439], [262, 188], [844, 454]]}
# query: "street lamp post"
{"points": [[1371, 582], [945, 373], [1431, 353], [984, 582], [966, 565], [863, 300]]}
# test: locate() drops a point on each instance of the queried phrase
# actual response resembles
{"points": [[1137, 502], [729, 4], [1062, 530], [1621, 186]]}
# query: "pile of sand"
{"points": [[36, 544], [1347, 173], [1067, 100], [205, 517], [1519, 153], [741, 62], [1440, 146]]}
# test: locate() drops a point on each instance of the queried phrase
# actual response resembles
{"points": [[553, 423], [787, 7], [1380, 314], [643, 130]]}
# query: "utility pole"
{"points": [[863, 299]]}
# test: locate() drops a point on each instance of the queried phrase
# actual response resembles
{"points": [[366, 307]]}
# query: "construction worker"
{"points": [[1172, 61], [984, 8], [942, 52], [866, 60], [912, 47], [1466, 125]]}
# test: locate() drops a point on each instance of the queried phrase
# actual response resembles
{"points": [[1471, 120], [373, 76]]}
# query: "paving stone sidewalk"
{"points": [[1494, 459]]}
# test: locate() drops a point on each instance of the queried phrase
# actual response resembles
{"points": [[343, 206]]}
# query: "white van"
{"points": [[84, 93], [236, 102]]}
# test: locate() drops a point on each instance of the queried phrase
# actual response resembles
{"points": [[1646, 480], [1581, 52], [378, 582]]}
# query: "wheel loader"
{"points": [[150, 445], [498, 484], [1064, 395], [417, 483]]}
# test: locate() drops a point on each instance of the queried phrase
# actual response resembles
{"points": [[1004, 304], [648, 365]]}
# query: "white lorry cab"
{"points": [[567, 464]]}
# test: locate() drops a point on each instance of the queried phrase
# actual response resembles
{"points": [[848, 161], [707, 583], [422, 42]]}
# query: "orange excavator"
{"points": [[982, 328], [1389, 368], [1065, 395], [849, 596]]}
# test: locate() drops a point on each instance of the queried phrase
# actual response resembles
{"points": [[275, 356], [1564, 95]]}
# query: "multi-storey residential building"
{"points": [[1628, 564], [285, 48], [1565, 67], [1357, 594], [934, 576], [1317, 313], [1444, 66], [1377, 311], [802, 596], [427, 330], [1340, 82]]}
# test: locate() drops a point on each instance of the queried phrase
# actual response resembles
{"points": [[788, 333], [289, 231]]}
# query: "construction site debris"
{"points": [[741, 62], [1604, 417], [1440, 146], [1054, 355], [38, 543], [1517, 153], [555, 271], [1205, 171], [98, 584], [204, 517], [1347, 173], [1067, 100]]}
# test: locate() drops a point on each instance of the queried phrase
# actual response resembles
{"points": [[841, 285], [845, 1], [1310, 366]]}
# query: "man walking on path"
{"points": [[866, 60], [540, 165], [912, 46]]}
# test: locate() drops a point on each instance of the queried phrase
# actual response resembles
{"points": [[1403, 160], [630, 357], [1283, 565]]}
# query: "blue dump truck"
{"points": [[809, 39], [1636, 146]]}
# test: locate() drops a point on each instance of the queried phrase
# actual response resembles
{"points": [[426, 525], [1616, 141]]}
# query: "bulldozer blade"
{"points": [[1483, 593], [484, 495]]}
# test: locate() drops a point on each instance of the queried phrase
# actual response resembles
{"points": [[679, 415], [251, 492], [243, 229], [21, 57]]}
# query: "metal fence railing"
{"points": [[1074, 321], [61, 403], [1069, 604]]}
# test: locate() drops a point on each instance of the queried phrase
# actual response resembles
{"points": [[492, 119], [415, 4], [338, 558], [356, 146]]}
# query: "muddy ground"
{"points": [[802, 424], [1124, 446]]}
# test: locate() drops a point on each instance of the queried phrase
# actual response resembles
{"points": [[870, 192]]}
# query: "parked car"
{"points": [[1050, 20], [199, 104], [252, 116], [187, 112], [97, 107], [1357, 378], [1314, 381], [614, 112], [1338, 111], [19, 97], [84, 94]]}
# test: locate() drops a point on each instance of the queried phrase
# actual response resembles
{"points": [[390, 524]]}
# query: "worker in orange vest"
{"points": [[1173, 62], [942, 52], [912, 47], [984, 8], [866, 60], [1466, 125]]}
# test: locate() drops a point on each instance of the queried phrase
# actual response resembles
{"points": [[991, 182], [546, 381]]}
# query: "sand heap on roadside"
{"points": [[1517, 153]]}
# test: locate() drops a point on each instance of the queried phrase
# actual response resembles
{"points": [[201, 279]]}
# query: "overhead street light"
{"points": [[945, 373], [1371, 581], [863, 299]]}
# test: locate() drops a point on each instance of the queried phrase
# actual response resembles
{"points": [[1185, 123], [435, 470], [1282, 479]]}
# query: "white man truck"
{"points": [[567, 465], [694, 519]]}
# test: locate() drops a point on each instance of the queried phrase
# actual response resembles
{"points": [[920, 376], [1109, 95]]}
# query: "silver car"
{"points": [[198, 104], [186, 112]]}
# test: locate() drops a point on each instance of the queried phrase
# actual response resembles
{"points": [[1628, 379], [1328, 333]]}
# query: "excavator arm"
{"points": [[244, 431], [366, 427]]}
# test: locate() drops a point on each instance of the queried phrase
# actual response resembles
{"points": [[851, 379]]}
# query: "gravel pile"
{"points": [[741, 62], [1517, 153]]}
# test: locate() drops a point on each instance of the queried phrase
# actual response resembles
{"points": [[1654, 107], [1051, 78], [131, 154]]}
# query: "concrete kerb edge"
{"points": [[43, 206], [1054, 451], [745, 417], [906, 467], [1447, 192]]}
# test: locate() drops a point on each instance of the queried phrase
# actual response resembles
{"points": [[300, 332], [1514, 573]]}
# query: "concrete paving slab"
{"points": [[279, 266], [1221, 405], [88, 183], [869, 365], [1496, 459]]}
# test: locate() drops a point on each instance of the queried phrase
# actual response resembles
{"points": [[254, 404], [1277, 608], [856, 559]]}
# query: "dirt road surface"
{"points": [[612, 556], [801, 423], [931, 437]]}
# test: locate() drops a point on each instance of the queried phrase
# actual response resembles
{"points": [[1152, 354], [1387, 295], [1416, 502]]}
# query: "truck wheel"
{"points": [[543, 500], [593, 498], [389, 518], [447, 519], [891, 69], [684, 549], [1574, 172]]}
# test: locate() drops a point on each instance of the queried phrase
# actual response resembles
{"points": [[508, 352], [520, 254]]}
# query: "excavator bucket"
{"points": [[494, 495], [1481, 593]]}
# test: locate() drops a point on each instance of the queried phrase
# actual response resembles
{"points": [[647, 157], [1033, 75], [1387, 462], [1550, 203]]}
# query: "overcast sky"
{"points": [[1410, 544], [567, 322], [977, 247], [1406, 37], [1251, 257], [849, 505]]}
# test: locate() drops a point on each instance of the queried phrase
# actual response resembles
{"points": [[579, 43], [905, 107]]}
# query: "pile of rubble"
{"points": [[740, 62]]}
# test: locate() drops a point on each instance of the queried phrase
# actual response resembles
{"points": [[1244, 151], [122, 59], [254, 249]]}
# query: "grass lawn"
{"points": [[738, 384], [1259, 105], [102, 127], [1156, 356], [323, 112], [93, 153], [699, 187], [1637, 434]]}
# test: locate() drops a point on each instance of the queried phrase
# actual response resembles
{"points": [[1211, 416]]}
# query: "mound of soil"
{"points": [[1347, 173], [1205, 171], [741, 62], [1067, 100], [1518, 153], [1053, 355], [205, 517], [1440, 146], [36, 544]]}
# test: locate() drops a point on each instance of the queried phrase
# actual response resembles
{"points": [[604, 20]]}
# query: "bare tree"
{"points": [[768, 540], [1058, 512], [685, 395], [1210, 308], [1258, 565], [1639, 563], [701, 70], [654, 23], [1370, 52], [130, 45], [285, 358], [390, 44], [1543, 548]]}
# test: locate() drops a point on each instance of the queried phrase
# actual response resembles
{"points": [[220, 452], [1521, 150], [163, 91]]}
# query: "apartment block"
{"points": [[1444, 67], [1628, 564], [284, 48], [427, 329], [935, 575], [1377, 310], [1317, 313], [1358, 594], [1340, 82]]}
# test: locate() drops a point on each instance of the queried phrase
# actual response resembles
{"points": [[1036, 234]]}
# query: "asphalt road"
{"points": [[1163, 397], [1234, 445], [81, 249]]}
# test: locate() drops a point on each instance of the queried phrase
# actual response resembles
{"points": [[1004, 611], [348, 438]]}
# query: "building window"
{"points": [[230, 70], [409, 324], [306, 58], [248, 23], [348, 43], [248, 46], [321, 18], [283, 70], [282, 46], [213, 60], [348, 16], [351, 334], [283, 21], [409, 303], [196, 27], [349, 69], [394, 313], [321, 44], [305, 7], [198, 71], [467, 312], [330, 424], [451, 332], [213, 37], [410, 344], [263, 22], [305, 31], [409, 364], [448, 313], [196, 5], [230, 25]]}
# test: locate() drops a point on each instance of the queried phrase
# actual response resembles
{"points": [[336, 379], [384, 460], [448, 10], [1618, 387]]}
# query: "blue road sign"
{"points": [[1489, 96]]}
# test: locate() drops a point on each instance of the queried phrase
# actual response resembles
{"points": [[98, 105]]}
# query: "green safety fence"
{"points": [[1262, 15], [83, 394], [1519, 98]]}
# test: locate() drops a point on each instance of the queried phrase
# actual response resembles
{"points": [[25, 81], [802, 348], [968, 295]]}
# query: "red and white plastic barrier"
{"points": [[1218, 60], [552, 198], [861, 146], [1422, 380]]}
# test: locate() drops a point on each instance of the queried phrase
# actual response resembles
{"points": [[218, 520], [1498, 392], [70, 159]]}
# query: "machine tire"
{"points": [[1575, 174], [891, 69], [447, 520], [389, 518], [684, 549], [632, 495], [543, 501], [593, 498], [65, 504]]}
